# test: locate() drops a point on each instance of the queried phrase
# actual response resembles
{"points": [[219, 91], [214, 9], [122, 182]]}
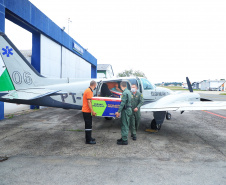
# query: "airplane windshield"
{"points": [[146, 84]]}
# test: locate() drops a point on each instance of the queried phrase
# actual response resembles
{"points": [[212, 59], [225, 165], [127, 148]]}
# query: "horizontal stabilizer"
{"points": [[204, 99], [28, 94]]}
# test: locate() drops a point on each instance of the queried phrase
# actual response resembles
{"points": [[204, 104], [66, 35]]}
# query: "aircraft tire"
{"points": [[153, 125], [168, 116]]}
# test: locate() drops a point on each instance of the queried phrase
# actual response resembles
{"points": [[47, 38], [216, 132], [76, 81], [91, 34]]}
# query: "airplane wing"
{"points": [[182, 102], [29, 94]]}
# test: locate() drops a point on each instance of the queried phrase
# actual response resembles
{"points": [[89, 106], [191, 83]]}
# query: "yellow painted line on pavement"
{"points": [[151, 130]]}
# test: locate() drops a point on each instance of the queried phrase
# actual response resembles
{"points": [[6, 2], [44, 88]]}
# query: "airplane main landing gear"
{"points": [[155, 126], [168, 116]]}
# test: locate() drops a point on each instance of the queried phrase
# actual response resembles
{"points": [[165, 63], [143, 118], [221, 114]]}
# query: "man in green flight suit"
{"points": [[126, 112], [137, 102]]}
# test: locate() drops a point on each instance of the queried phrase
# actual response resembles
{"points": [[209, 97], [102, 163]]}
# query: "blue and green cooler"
{"points": [[105, 107]]}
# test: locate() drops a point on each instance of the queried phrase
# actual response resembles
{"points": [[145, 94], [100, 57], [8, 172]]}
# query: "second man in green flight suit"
{"points": [[125, 109], [137, 102]]}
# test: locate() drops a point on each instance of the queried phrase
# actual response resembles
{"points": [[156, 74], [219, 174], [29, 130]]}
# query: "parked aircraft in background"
{"points": [[21, 83]]}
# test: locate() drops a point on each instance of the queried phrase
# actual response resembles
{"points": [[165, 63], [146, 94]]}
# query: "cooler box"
{"points": [[116, 94], [105, 107]]}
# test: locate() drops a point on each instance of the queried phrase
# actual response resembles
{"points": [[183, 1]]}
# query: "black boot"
{"points": [[121, 142], [93, 139], [134, 137], [89, 139], [91, 142]]}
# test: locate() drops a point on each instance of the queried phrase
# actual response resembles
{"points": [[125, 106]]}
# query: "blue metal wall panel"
{"points": [[35, 58], [2, 16], [1, 110], [93, 71], [2, 28], [20, 8]]}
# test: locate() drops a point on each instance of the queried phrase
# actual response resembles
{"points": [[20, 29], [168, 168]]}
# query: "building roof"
{"points": [[104, 67], [26, 53], [212, 81]]}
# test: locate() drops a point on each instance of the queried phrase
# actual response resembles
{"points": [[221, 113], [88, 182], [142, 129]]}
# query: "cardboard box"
{"points": [[105, 107]]}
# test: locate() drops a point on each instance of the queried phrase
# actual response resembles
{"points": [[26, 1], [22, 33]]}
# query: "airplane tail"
{"points": [[5, 80], [16, 72], [191, 89], [189, 85]]}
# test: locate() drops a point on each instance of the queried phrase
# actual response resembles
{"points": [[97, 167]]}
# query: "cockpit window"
{"points": [[146, 84]]}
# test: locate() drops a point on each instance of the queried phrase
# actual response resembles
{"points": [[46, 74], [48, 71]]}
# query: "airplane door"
{"points": [[149, 90], [139, 85]]}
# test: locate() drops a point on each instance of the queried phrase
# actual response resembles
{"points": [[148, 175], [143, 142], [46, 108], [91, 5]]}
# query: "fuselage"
{"points": [[70, 95]]}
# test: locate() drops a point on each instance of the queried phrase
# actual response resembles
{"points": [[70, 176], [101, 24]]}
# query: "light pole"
{"points": [[69, 21]]}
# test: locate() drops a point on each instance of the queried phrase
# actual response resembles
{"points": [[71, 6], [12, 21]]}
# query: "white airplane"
{"points": [[20, 83]]}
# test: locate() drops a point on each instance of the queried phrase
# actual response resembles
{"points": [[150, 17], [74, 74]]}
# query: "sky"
{"points": [[168, 40]]}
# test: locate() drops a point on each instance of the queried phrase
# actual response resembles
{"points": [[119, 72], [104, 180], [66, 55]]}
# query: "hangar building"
{"points": [[105, 71], [54, 52], [211, 85]]}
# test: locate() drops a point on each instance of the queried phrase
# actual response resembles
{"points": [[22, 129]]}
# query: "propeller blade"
{"points": [[189, 84]]}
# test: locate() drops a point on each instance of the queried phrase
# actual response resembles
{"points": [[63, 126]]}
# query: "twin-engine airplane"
{"points": [[20, 83]]}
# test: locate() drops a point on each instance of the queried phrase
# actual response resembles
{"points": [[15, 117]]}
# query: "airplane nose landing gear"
{"points": [[155, 126], [168, 116], [158, 120]]}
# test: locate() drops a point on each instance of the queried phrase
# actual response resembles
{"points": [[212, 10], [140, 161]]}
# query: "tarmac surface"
{"points": [[47, 147]]}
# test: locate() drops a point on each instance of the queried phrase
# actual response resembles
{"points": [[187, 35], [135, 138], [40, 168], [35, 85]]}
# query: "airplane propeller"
{"points": [[189, 84]]}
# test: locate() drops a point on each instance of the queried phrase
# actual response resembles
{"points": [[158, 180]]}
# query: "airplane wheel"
{"points": [[168, 116], [159, 126], [155, 126], [108, 118]]}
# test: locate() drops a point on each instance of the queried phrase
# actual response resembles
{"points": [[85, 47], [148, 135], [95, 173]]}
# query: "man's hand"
{"points": [[94, 113], [117, 114], [136, 109]]}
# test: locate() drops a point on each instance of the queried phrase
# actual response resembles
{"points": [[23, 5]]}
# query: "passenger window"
{"points": [[146, 84]]}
